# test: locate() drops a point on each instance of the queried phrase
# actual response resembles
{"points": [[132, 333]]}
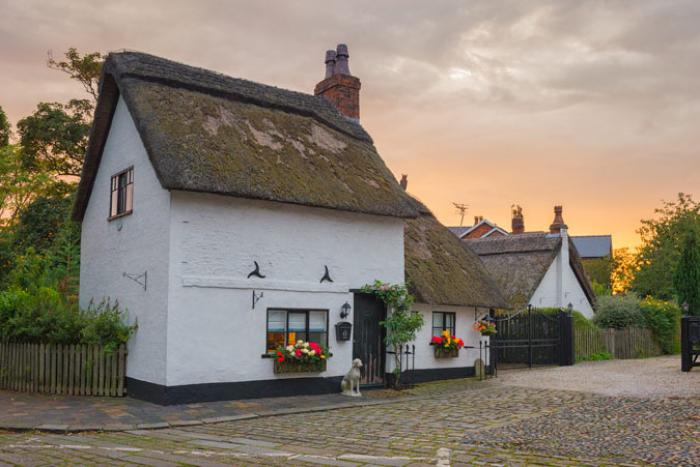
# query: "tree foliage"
{"points": [[85, 69], [686, 280], [4, 129], [662, 242], [623, 268]]}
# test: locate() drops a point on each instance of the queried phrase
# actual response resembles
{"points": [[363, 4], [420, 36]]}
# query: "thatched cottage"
{"points": [[231, 218], [542, 269]]}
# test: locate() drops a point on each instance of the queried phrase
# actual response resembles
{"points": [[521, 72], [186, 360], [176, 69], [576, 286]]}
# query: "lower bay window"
{"points": [[287, 326]]}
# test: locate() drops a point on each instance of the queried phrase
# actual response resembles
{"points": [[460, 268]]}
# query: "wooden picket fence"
{"points": [[77, 370], [620, 343]]}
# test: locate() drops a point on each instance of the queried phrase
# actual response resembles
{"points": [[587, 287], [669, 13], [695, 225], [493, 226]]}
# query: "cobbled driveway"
{"points": [[451, 423]]}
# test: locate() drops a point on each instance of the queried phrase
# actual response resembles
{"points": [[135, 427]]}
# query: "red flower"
{"points": [[436, 340], [280, 357], [297, 353], [315, 347]]}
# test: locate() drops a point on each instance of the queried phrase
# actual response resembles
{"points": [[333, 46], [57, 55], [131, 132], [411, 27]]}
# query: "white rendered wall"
{"points": [[214, 335], [425, 353], [132, 244], [550, 294]]}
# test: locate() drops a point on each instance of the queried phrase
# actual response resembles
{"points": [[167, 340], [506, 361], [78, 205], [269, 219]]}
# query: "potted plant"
{"points": [[302, 357], [446, 346], [485, 327]]}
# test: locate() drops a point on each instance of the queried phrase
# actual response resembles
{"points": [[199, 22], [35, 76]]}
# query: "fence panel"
{"points": [[619, 343], [62, 369]]}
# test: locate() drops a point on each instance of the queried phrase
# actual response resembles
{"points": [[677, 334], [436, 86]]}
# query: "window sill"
{"points": [[120, 215]]}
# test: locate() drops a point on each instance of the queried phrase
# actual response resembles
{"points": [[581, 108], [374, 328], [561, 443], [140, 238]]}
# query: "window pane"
{"points": [[450, 322], [297, 322], [274, 340], [129, 197], [437, 319], [317, 321], [319, 338], [276, 320], [114, 199]]}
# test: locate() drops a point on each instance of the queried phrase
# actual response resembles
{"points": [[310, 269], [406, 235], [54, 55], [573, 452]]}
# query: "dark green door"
{"points": [[368, 337]]}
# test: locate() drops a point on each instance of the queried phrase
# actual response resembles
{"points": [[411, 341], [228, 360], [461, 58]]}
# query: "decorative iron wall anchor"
{"points": [[326, 276], [140, 279], [256, 272]]}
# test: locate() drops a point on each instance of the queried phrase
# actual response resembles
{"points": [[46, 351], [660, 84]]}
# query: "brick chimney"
{"points": [[558, 223], [517, 222], [339, 86]]}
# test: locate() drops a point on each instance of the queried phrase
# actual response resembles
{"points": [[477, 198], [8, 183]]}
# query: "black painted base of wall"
{"points": [[211, 392], [432, 374]]}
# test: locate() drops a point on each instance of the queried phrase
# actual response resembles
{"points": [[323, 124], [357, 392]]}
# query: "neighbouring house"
{"points": [[480, 229], [452, 290], [596, 254], [537, 268], [230, 217]]}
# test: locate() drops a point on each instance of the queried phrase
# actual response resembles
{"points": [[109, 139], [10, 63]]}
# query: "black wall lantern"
{"points": [[345, 310], [343, 330]]}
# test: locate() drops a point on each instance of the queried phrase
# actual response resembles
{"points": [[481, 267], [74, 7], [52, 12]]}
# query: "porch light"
{"points": [[345, 310]]}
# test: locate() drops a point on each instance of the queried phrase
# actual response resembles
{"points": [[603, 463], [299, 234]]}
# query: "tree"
{"points": [[85, 69], [662, 241], [622, 275], [687, 274], [4, 129], [54, 137]]}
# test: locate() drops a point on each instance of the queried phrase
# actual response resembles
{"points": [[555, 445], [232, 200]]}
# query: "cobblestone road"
{"points": [[455, 424]]}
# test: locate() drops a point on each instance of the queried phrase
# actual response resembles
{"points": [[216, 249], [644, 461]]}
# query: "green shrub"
{"points": [[618, 311], [105, 325], [663, 319], [580, 321], [43, 315], [595, 357]]}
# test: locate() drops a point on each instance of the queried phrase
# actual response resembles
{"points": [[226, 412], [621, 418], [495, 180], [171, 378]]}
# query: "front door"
{"points": [[368, 337]]}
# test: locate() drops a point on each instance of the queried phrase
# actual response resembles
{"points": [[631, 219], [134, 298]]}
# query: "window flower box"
{"points": [[446, 346], [485, 327], [302, 357], [290, 366]]}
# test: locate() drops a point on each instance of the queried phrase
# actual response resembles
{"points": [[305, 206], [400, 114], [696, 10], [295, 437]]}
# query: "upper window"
{"points": [[285, 327], [443, 321], [122, 195]]}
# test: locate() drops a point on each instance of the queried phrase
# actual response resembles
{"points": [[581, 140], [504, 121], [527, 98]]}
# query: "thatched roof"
{"points": [[207, 132], [439, 271], [518, 263]]}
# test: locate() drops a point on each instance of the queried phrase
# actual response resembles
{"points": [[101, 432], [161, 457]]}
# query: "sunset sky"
{"points": [[592, 105]]}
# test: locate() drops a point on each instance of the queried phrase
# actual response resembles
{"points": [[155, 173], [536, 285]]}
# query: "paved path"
{"points": [[650, 377], [493, 425]]}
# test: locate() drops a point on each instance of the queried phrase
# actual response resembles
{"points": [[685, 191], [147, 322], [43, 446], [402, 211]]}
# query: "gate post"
{"points": [[567, 355]]}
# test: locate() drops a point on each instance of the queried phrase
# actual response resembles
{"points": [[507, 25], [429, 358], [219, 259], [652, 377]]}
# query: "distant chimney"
{"points": [[404, 181], [339, 86], [558, 222], [478, 219], [517, 221], [330, 63]]}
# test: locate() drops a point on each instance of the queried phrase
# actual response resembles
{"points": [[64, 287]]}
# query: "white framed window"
{"points": [[121, 200], [285, 327], [444, 320]]}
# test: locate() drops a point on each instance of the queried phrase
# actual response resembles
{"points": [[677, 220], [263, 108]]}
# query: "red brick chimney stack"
{"points": [[339, 86], [517, 221], [558, 222]]}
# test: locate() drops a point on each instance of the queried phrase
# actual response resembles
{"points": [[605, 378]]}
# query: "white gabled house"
{"points": [[230, 217], [537, 268]]}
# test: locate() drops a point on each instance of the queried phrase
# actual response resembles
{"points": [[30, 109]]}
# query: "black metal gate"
{"points": [[690, 342], [368, 337], [533, 337]]}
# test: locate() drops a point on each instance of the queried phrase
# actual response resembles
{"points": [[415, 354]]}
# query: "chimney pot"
{"points": [[558, 223], [330, 63], [404, 181], [342, 66], [517, 222]]}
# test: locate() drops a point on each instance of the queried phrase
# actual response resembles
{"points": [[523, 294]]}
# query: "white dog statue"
{"points": [[351, 381]]}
